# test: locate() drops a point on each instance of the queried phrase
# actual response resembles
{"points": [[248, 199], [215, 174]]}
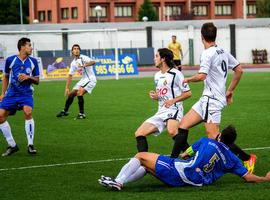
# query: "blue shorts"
{"points": [[12, 104], [166, 172]]}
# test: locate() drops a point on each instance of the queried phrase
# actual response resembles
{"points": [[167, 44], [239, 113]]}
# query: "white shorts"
{"points": [[209, 109], [160, 119], [86, 84]]}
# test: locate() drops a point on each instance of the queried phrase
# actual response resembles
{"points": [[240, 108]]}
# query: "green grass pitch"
{"points": [[114, 110]]}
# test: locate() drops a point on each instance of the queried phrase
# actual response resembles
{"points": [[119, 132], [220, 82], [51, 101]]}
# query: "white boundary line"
{"points": [[92, 161]]}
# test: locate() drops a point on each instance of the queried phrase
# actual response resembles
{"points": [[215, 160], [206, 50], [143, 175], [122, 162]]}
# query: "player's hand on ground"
{"points": [[169, 103], [268, 176], [229, 97], [23, 77], [66, 91], [153, 94]]}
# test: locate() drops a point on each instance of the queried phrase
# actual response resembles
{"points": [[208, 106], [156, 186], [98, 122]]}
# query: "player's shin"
{"points": [[6, 130], [68, 103], [81, 104], [239, 152], [30, 130], [129, 169], [142, 144], [180, 143]]}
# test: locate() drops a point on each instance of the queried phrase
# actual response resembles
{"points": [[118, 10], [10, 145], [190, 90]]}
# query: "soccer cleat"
{"points": [[109, 182], [10, 150], [80, 116], [250, 164], [31, 149], [62, 114]]}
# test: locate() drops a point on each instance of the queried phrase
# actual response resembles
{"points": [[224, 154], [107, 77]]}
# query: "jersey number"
{"points": [[224, 68], [210, 166]]}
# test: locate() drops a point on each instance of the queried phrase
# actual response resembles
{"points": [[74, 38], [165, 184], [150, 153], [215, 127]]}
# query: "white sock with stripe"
{"points": [[30, 130], [6, 130]]}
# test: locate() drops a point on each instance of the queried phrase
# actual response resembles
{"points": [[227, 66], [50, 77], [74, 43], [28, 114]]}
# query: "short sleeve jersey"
{"points": [[213, 159], [170, 85], [87, 72], [14, 66], [215, 62], [175, 48]]}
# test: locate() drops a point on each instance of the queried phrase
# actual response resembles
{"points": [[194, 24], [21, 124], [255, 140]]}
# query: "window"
{"points": [[103, 12], [64, 13], [173, 10], [251, 9], [200, 10], [123, 11], [223, 10], [41, 16], [49, 15], [74, 13]]}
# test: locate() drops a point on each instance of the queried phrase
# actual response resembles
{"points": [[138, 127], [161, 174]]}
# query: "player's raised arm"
{"points": [[92, 62]]}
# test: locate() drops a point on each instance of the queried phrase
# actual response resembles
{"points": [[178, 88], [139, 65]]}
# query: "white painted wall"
{"points": [[246, 40]]}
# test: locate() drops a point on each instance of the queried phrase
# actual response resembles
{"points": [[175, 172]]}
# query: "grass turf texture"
{"points": [[114, 110]]}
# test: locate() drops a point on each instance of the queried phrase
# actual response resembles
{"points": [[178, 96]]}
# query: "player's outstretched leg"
{"points": [[68, 103]]}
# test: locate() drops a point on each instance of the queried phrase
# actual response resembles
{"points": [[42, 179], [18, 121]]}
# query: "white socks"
{"points": [[30, 130], [131, 171], [5, 128]]}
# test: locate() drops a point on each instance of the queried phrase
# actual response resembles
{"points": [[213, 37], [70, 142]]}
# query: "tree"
{"points": [[147, 10], [263, 8], [10, 11]]}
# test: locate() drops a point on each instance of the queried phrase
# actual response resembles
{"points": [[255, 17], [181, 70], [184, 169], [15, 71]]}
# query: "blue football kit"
{"points": [[211, 160], [19, 93]]}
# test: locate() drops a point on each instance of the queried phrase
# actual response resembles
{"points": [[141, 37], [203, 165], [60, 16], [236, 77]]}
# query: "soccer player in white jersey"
{"points": [[170, 92], [83, 64], [214, 65]]}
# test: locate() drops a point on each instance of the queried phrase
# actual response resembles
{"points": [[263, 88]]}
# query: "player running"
{"points": [[210, 160], [21, 71], [170, 92], [83, 64]]}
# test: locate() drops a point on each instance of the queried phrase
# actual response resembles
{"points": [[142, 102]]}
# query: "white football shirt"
{"points": [[215, 62], [87, 72], [170, 85]]}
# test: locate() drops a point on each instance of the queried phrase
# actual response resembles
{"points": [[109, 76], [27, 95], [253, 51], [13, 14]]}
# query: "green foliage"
{"points": [[263, 8], [147, 10], [114, 111], [10, 11]]}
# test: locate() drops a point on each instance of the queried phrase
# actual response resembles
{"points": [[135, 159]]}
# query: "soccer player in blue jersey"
{"points": [[21, 71], [209, 160]]}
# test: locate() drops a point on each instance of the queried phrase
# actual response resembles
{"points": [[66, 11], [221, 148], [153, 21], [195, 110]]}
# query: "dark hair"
{"points": [[22, 42], [228, 135], [174, 36], [209, 32], [75, 45], [167, 54]]}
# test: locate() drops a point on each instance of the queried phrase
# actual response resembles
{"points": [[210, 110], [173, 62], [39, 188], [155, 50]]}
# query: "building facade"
{"points": [[84, 11]]}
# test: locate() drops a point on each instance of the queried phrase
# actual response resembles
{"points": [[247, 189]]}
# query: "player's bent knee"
{"points": [[172, 133]]}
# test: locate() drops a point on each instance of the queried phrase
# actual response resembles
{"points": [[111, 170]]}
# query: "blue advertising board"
{"points": [[105, 65]]}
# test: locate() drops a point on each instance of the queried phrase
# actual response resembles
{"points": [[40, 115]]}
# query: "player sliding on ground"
{"points": [[83, 64], [209, 160]]}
